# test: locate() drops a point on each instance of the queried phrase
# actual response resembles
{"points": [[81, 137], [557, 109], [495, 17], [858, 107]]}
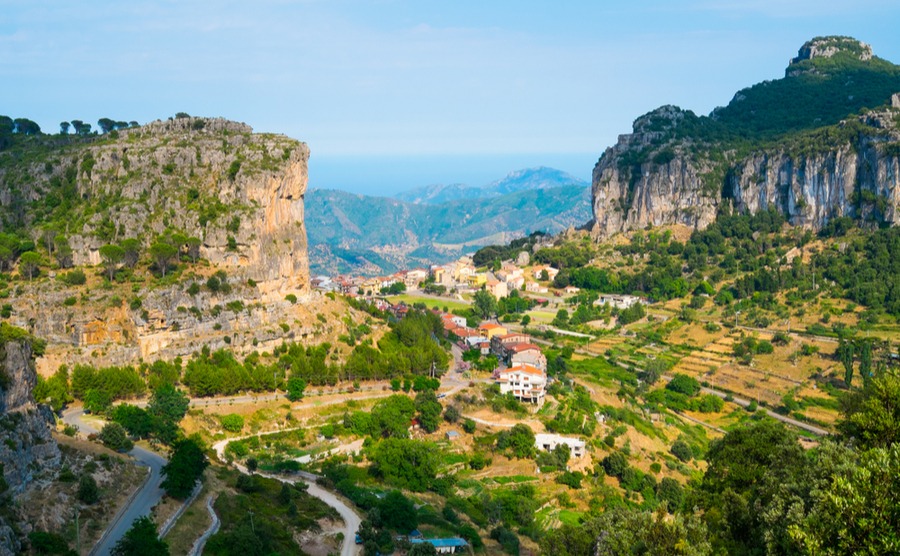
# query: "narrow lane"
{"points": [[148, 496]]}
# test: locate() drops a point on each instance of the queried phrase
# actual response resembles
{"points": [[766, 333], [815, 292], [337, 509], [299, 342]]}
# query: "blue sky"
{"points": [[394, 94]]}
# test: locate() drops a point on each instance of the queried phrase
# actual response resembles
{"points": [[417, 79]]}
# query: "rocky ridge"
{"points": [[239, 192], [27, 449], [676, 168]]}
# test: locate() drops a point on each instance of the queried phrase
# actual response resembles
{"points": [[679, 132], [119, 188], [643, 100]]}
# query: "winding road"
{"points": [[351, 519], [143, 501]]}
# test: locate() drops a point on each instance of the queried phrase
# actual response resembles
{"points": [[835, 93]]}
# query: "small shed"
{"points": [[452, 435]]}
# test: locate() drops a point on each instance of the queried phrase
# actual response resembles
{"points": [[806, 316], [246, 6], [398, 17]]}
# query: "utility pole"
{"points": [[252, 528]]}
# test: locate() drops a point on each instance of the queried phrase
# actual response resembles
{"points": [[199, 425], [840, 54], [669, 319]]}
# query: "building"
{"points": [[526, 354], [572, 290], [497, 288], [456, 319], [500, 342], [489, 330], [444, 546], [548, 442], [414, 277], [534, 287], [538, 270], [619, 301], [526, 383]]}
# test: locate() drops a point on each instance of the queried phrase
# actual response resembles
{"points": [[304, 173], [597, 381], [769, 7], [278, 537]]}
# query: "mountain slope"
{"points": [[350, 232], [807, 144], [520, 180]]}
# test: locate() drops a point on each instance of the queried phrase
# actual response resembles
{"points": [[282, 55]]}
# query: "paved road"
{"points": [[148, 496]]}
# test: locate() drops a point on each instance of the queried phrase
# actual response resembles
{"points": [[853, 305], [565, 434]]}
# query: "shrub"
{"points": [[682, 450], [232, 422], [115, 438], [88, 491]]}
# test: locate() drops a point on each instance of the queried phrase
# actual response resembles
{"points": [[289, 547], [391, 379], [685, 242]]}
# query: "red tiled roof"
{"points": [[517, 348]]}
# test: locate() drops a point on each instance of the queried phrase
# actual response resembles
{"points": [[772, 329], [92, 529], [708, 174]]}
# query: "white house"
{"points": [[619, 301], [548, 442], [526, 383]]}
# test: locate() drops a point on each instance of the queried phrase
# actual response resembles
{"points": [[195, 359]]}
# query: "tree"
{"points": [[167, 408], [682, 450], [64, 128], [193, 248], [429, 410], [452, 414], [747, 468], [132, 251], [115, 437], [106, 125], [684, 384], [112, 256], [844, 354], [62, 252], [136, 420], [615, 464], [484, 304], [29, 264], [519, 440], [88, 491], [856, 511], [141, 540], [295, 388], [184, 468], [162, 254], [391, 417], [407, 464], [872, 416], [398, 512], [627, 531]]}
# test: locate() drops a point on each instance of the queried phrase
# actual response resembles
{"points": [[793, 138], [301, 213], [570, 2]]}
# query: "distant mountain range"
{"points": [[521, 180], [374, 235]]}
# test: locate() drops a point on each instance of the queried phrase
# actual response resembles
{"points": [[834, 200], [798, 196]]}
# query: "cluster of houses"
{"points": [[523, 366], [459, 276]]}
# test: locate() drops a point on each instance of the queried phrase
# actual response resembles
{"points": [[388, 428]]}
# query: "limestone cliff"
{"points": [[27, 450], [792, 144], [239, 193]]}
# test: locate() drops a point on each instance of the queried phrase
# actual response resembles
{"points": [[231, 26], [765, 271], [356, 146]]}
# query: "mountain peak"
{"points": [[826, 51]]}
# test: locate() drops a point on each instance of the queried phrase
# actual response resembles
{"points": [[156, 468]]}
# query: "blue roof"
{"points": [[438, 543]]}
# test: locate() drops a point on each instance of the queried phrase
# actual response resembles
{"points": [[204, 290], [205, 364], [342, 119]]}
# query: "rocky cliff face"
{"points": [[860, 180], [239, 193], [27, 450], [677, 168], [633, 189]]}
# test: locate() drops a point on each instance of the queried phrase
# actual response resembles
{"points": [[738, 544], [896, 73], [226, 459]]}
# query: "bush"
{"points": [[684, 384], [468, 426], [615, 464], [570, 479], [232, 422], [116, 438], [682, 450], [88, 491]]}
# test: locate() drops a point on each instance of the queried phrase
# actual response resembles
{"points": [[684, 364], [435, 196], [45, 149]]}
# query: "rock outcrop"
{"points": [[27, 450], [238, 192], [677, 168]]}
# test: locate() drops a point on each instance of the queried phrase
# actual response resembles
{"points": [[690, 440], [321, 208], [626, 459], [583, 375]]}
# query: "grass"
{"points": [[570, 517], [431, 303]]}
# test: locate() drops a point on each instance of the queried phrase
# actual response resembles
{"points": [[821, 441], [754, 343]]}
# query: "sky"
{"points": [[393, 94]]}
